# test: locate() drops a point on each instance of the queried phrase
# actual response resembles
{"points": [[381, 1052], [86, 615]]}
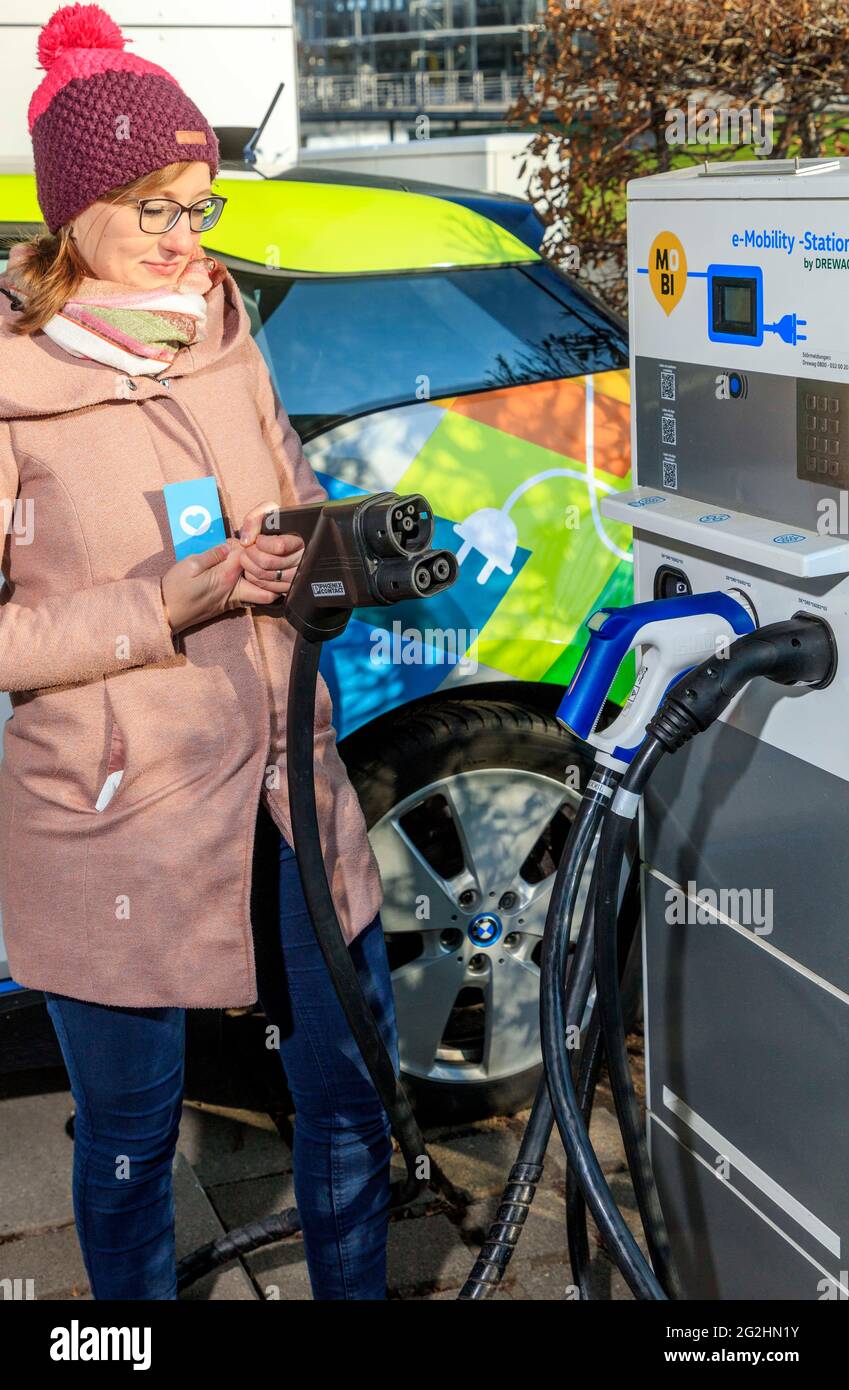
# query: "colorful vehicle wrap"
{"points": [[514, 477]]}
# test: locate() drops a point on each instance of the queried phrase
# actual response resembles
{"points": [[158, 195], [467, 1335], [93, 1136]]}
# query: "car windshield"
{"points": [[342, 346]]}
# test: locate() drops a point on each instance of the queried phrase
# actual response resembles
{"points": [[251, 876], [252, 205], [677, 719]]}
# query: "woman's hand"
{"points": [[204, 585], [269, 562], [242, 570]]}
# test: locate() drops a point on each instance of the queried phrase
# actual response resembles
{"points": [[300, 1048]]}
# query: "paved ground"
{"points": [[233, 1166]]}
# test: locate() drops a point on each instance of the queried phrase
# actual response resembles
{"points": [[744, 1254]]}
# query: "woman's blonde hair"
{"points": [[54, 266]]}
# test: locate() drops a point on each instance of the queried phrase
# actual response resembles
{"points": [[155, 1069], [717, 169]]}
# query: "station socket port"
{"points": [[671, 583]]}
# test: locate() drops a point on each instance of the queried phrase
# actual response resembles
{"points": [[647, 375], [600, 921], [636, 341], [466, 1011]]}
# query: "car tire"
{"points": [[459, 751]]}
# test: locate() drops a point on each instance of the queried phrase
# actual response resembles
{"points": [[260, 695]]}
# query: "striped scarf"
{"points": [[139, 332]]}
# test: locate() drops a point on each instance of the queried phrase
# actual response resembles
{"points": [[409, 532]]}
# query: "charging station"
{"points": [[740, 447]]}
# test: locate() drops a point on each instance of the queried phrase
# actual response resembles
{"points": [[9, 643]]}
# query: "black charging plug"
{"points": [[359, 551], [800, 650]]}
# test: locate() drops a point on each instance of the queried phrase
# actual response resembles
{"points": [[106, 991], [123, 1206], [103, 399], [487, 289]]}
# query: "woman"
{"points": [[143, 780]]}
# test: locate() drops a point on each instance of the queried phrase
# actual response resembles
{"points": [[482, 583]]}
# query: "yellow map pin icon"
{"points": [[667, 270]]}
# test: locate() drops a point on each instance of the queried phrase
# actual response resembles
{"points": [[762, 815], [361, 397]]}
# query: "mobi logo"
{"points": [[81, 1343], [667, 270], [731, 386]]}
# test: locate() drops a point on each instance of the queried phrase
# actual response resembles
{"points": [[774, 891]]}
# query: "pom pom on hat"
{"points": [[77, 26]]}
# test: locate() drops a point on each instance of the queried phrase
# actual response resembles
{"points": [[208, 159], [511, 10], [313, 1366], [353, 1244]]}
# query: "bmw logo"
{"points": [[716, 516], [485, 929], [788, 538]]}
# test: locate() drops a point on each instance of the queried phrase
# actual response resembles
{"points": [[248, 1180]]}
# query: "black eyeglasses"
{"points": [[158, 215]]}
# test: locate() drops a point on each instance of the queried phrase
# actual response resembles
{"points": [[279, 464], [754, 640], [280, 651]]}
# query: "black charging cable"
{"points": [[422, 1170], [503, 1234], [800, 650], [590, 1060], [364, 550]]}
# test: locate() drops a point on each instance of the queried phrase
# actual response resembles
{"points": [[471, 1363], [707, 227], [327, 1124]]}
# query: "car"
{"points": [[421, 342]]}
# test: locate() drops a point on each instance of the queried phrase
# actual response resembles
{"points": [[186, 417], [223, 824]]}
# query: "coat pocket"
{"points": [[115, 762]]}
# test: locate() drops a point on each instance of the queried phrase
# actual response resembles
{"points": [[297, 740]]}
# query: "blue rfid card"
{"points": [[194, 515]]}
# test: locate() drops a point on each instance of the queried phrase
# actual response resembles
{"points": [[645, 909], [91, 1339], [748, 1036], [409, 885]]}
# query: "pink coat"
{"points": [[146, 902]]}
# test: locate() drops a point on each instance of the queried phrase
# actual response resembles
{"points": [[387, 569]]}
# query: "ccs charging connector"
{"points": [[359, 552]]}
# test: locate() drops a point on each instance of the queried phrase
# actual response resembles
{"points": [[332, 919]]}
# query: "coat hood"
{"points": [[38, 377]]}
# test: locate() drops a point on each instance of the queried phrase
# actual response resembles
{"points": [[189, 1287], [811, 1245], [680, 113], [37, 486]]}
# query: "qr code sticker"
{"points": [[670, 471], [667, 429], [667, 386]]}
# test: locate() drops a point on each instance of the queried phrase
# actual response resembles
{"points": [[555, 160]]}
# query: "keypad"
{"points": [[822, 424]]}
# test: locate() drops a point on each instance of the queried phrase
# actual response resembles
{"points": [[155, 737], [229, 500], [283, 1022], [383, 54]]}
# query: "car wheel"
{"points": [[468, 804]]}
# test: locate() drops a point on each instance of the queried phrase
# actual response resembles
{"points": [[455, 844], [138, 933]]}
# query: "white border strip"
{"points": [[753, 937], [755, 1175], [841, 1288]]}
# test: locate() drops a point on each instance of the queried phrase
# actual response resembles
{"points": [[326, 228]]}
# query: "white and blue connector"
{"points": [[673, 635]]}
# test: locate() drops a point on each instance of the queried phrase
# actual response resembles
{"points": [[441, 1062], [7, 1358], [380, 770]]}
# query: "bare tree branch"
{"points": [[605, 81]]}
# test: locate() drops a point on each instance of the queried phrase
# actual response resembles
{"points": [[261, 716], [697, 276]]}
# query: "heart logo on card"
{"points": [[195, 520]]}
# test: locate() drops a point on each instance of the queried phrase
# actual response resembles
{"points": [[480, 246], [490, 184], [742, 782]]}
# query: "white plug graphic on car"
{"points": [[491, 531]]}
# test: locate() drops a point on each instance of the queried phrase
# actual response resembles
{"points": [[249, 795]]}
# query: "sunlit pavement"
{"points": [[233, 1166]]}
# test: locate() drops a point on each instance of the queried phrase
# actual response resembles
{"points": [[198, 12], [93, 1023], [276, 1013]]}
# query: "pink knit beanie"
{"points": [[102, 117]]}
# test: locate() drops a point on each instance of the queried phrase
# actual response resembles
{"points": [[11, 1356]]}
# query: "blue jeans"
{"points": [[126, 1069]]}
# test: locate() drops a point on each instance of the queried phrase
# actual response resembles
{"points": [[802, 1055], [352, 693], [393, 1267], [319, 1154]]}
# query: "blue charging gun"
{"points": [[673, 635]]}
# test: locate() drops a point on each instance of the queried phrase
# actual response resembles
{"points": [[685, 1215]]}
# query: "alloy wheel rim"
{"points": [[468, 863]]}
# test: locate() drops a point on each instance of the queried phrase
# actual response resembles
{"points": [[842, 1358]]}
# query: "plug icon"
{"points": [[491, 532], [787, 329]]}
